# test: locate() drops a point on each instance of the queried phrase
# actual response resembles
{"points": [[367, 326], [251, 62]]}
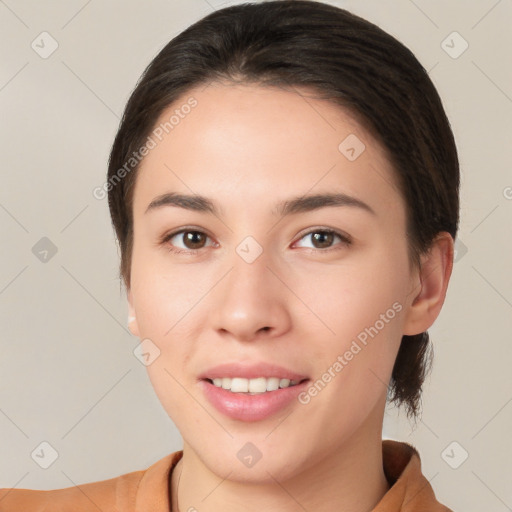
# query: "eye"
{"points": [[192, 241], [323, 238]]}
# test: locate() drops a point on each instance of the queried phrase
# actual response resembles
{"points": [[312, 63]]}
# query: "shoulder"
{"points": [[409, 491], [113, 495], [95, 495]]}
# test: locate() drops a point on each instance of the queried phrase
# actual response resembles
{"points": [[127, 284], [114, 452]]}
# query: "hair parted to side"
{"points": [[342, 58]]}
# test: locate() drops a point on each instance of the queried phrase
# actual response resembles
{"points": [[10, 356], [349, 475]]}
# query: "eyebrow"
{"points": [[291, 206]]}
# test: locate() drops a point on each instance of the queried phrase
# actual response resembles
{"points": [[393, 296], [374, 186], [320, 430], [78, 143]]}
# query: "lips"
{"points": [[251, 371], [249, 406]]}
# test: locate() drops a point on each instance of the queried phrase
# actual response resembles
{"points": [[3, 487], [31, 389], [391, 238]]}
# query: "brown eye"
{"points": [[194, 239], [324, 239], [186, 241]]}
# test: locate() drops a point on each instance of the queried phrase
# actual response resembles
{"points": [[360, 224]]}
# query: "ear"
{"points": [[430, 286], [132, 318]]}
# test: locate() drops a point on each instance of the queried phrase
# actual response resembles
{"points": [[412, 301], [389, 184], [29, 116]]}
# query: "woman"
{"points": [[284, 189]]}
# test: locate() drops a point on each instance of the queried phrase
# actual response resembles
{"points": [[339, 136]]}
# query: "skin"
{"points": [[247, 148]]}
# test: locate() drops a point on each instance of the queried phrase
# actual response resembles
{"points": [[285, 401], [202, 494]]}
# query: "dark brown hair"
{"points": [[343, 58]]}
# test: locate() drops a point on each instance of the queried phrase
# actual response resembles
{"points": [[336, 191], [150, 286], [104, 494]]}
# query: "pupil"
{"points": [[321, 236], [192, 238]]}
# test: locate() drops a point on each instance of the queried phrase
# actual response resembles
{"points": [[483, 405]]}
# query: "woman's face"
{"points": [[260, 281]]}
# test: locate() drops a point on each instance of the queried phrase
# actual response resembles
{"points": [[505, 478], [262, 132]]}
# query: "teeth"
{"points": [[253, 386]]}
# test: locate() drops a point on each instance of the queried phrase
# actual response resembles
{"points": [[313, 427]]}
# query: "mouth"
{"points": [[252, 391], [232, 396], [254, 386]]}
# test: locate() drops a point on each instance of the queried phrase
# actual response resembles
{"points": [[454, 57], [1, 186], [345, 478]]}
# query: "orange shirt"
{"points": [[149, 490]]}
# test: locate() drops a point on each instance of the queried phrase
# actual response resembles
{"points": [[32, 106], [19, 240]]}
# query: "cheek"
{"points": [[162, 295], [356, 330], [167, 302], [342, 300], [174, 392], [353, 363]]}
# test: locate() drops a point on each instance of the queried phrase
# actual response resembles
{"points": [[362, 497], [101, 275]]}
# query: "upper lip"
{"points": [[250, 371]]}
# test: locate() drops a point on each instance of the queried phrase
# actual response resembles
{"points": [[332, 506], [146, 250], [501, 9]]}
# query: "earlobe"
{"points": [[434, 275], [132, 317]]}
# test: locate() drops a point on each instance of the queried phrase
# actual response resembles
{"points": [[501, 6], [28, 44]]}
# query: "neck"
{"points": [[350, 477]]}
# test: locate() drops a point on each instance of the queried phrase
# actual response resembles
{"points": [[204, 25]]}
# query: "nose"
{"points": [[250, 303]]}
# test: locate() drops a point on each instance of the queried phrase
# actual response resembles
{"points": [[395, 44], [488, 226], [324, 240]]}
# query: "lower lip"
{"points": [[244, 407]]}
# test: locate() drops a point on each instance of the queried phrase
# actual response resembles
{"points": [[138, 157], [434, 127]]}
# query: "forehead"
{"points": [[248, 142]]}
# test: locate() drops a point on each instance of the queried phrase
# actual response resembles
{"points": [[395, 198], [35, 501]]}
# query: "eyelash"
{"points": [[345, 240]]}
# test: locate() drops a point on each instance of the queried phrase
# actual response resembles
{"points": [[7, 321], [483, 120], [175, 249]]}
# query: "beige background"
{"points": [[68, 375]]}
